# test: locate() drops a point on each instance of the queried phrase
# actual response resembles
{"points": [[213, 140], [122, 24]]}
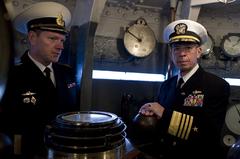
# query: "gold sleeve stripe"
{"points": [[180, 125], [185, 127], [174, 123], [189, 128]]}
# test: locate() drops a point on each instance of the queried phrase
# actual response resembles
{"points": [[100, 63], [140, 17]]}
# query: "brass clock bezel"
{"points": [[230, 45], [139, 39], [232, 118]]}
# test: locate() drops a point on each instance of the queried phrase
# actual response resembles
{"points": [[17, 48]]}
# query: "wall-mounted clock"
{"points": [[207, 47], [232, 118], [230, 45], [231, 127], [139, 39]]}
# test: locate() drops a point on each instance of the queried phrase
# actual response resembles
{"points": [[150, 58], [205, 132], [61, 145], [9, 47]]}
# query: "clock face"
{"points": [[232, 119], [231, 45], [139, 39]]}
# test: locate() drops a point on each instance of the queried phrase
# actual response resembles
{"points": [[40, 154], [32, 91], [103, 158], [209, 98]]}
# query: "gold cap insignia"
{"points": [[60, 20], [180, 28]]}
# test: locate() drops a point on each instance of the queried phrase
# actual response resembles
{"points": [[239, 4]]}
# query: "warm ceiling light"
{"points": [[226, 1]]}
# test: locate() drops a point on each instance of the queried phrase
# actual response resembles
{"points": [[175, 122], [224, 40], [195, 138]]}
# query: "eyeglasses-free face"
{"points": [[185, 55], [183, 47]]}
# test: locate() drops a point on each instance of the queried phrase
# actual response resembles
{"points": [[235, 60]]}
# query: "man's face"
{"points": [[185, 55], [46, 46]]}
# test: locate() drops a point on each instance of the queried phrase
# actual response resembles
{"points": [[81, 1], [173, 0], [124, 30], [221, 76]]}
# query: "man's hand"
{"points": [[151, 109]]}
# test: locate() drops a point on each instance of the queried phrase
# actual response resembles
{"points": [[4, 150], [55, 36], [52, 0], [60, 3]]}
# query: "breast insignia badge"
{"points": [[28, 97]]}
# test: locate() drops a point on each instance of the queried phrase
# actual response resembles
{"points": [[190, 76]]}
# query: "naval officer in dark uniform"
{"points": [[191, 106], [39, 88]]}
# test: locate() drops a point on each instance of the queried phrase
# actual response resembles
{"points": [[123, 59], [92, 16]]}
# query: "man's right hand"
{"points": [[150, 109]]}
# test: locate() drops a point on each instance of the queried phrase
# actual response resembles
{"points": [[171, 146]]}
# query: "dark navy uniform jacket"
{"points": [[194, 116], [31, 100]]}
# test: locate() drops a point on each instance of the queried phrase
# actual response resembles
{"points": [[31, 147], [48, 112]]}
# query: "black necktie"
{"points": [[179, 84], [47, 72]]}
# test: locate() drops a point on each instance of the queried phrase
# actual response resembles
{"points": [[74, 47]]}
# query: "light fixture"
{"points": [[226, 1], [128, 76], [134, 76]]}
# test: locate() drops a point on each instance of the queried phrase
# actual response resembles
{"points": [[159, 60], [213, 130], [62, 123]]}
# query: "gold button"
{"points": [[162, 140], [174, 143]]}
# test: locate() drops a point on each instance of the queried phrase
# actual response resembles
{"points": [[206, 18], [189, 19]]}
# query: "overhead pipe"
{"points": [[173, 7]]}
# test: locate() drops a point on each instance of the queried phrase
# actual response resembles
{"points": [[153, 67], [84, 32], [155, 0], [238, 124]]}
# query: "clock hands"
{"points": [[138, 39], [236, 43], [238, 111], [230, 44]]}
